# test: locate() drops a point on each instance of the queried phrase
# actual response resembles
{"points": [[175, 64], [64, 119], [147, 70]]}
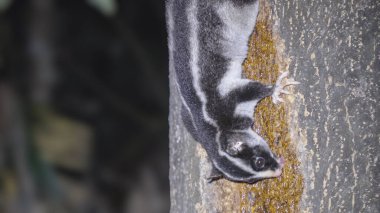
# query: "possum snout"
{"points": [[281, 162]]}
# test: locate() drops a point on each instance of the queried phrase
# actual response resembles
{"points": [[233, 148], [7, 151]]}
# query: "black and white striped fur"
{"points": [[208, 41]]}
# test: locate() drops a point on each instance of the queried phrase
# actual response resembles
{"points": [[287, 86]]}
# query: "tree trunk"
{"points": [[331, 123]]}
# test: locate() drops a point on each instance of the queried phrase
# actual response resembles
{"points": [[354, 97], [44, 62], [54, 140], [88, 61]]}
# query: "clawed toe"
{"points": [[285, 92], [283, 75], [276, 98], [280, 100], [291, 82], [279, 87]]}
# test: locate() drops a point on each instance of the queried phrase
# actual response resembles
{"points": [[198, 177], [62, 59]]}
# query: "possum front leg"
{"points": [[254, 90]]}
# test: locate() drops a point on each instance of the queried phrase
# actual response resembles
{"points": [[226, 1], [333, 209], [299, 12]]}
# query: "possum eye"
{"points": [[259, 162]]}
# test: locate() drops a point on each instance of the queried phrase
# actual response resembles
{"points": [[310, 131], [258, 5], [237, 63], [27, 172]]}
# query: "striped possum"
{"points": [[208, 42]]}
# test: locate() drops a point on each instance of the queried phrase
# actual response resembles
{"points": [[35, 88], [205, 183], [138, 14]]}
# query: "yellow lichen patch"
{"points": [[263, 64]]}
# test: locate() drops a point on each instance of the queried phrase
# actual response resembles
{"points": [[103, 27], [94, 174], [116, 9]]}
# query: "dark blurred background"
{"points": [[83, 106]]}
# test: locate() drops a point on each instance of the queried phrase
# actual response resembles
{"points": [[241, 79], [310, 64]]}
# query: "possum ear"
{"points": [[237, 148], [214, 175]]}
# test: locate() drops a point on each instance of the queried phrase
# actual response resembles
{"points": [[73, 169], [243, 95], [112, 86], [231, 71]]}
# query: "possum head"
{"points": [[246, 157]]}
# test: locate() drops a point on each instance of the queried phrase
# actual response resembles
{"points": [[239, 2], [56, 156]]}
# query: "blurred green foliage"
{"points": [[106, 7], [4, 4]]}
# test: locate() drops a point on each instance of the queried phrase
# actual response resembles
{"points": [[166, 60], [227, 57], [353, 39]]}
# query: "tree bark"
{"points": [[333, 119], [335, 54]]}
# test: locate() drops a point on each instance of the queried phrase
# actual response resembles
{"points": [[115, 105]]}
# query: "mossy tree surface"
{"points": [[264, 63]]}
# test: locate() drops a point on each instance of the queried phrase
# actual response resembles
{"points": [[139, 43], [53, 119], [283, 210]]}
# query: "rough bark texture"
{"points": [[334, 52]]}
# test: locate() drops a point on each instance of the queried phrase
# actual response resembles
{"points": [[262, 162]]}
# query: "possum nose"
{"points": [[281, 162]]}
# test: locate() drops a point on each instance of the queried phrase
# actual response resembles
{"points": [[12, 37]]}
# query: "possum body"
{"points": [[208, 42]]}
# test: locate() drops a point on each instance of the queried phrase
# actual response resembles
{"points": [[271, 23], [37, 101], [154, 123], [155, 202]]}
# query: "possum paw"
{"points": [[279, 87]]}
